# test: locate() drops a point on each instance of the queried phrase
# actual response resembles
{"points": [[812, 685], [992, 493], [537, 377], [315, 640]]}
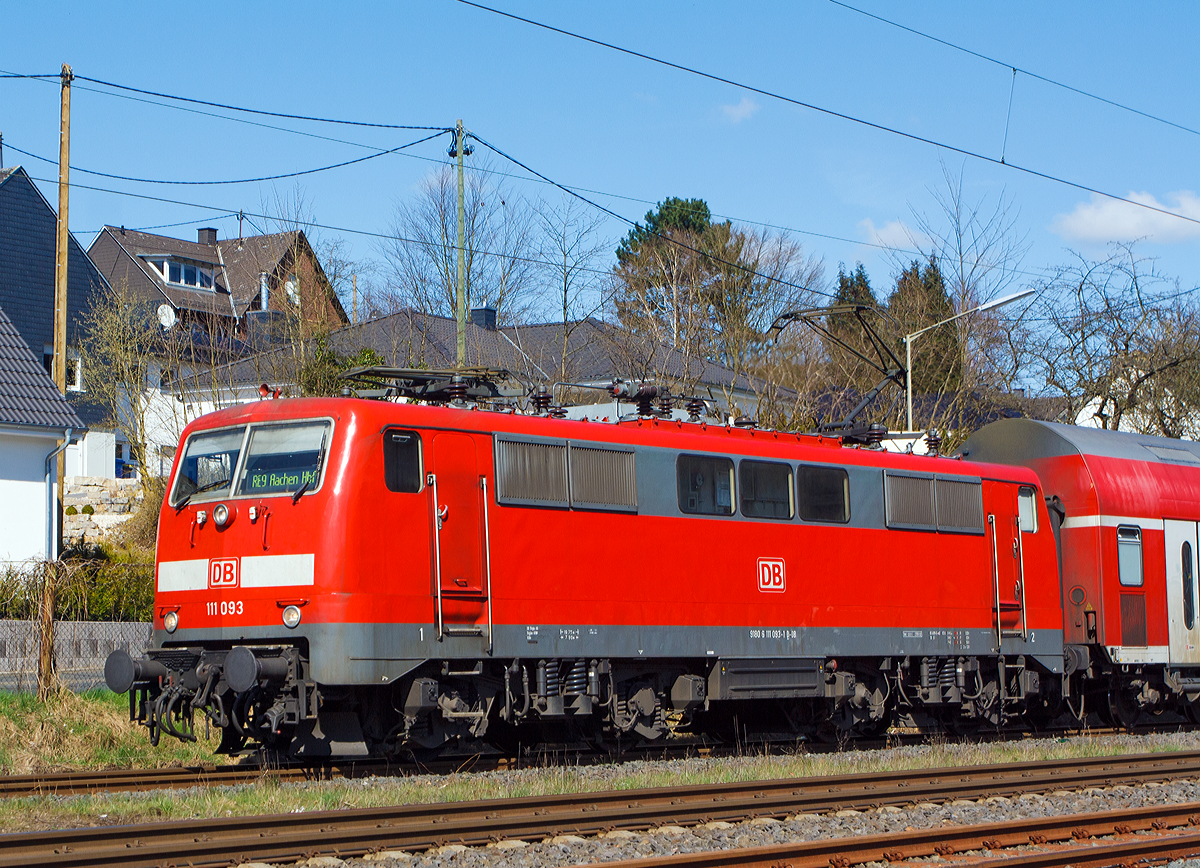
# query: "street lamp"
{"points": [[908, 339]]}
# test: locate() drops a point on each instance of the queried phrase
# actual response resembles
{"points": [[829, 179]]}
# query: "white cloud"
{"points": [[893, 234], [744, 110], [1103, 219]]}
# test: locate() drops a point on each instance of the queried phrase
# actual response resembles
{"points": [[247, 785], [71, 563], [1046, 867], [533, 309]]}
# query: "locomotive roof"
{"points": [[685, 436], [1018, 440]]}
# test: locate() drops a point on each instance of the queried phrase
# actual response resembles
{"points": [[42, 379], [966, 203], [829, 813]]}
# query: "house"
{"points": [[34, 417], [231, 287], [28, 230]]}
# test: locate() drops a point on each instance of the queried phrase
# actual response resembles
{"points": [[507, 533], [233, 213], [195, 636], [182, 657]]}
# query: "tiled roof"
{"points": [[596, 352], [28, 397], [120, 254]]}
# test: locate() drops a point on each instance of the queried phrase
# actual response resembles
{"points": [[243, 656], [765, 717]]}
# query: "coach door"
{"points": [[1013, 516], [461, 570], [1182, 616]]}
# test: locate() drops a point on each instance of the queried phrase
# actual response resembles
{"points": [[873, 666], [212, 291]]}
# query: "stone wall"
{"points": [[112, 502]]}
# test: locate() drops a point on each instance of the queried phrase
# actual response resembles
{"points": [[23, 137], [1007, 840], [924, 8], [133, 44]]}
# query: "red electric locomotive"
{"points": [[352, 577]]}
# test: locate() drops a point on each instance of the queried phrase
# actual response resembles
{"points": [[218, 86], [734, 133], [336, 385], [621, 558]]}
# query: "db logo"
{"points": [[223, 573], [771, 577]]}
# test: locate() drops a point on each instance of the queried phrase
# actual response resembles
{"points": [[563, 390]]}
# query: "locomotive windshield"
{"points": [[208, 463], [283, 459]]}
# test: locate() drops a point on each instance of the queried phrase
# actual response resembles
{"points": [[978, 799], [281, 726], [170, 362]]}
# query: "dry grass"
{"points": [[268, 795], [82, 731]]}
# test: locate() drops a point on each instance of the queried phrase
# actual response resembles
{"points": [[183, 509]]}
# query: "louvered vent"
{"points": [[1133, 620], [603, 479], [959, 505], [910, 502], [531, 473]]}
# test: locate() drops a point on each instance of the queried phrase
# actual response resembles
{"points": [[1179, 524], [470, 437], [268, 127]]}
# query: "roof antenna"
{"points": [[240, 216]]}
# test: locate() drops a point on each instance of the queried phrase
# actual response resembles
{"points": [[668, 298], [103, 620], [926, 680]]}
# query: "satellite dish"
{"points": [[166, 315]]}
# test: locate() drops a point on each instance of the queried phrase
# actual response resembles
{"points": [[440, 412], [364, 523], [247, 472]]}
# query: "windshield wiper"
{"points": [[300, 491], [206, 487]]}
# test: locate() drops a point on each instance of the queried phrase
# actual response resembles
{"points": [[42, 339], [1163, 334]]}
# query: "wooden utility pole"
{"points": [[61, 255], [354, 301], [461, 297]]}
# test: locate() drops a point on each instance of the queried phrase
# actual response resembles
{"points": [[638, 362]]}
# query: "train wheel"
{"points": [[1123, 707]]}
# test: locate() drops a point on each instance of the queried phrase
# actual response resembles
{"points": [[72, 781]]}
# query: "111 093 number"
{"points": [[225, 607]]}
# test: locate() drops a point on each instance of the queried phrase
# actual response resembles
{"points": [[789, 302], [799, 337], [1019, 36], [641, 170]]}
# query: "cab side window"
{"points": [[1129, 555], [766, 489], [1027, 509], [705, 485], [402, 460], [824, 493]]}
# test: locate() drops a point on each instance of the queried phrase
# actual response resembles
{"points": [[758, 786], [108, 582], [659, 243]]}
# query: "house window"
{"points": [[183, 272], [74, 374], [292, 287]]}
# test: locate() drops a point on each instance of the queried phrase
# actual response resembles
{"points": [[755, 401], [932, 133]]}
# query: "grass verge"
{"points": [[268, 795]]}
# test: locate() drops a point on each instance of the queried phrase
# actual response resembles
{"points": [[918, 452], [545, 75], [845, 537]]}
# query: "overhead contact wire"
{"points": [[833, 113]]}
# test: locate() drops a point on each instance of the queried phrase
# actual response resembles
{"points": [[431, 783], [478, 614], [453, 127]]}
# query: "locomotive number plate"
{"points": [[771, 575], [225, 607]]}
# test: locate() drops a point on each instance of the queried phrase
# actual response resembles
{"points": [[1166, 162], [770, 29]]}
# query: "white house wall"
{"points": [[94, 455], [23, 495]]}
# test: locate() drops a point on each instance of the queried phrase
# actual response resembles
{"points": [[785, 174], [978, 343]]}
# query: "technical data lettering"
{"points": [[953, 638], [531, 635], [282, 480], [787, 633], [569, 633]]}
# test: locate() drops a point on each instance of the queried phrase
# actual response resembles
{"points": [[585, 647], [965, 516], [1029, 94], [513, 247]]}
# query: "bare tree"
{"points": [[421, 258], [1118, 355], [571, 250]]}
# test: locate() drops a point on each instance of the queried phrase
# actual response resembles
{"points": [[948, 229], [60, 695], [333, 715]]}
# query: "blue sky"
{"points": [[595, 119]]}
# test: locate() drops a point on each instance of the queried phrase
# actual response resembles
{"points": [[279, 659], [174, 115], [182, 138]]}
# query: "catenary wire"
{"points": [[1019, 69], [238, 180], [245, 110], [833, 113], [667, 238]]}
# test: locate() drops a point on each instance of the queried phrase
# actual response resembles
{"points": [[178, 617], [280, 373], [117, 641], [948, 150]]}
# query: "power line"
{"points": [[239, 180], [1016, 69], [234, 212], [832, 113], [263, 112]]}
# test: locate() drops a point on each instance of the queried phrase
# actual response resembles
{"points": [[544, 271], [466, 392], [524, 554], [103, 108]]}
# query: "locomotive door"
{"points": [[1005, 526], [1183, 619], [460, 558]]}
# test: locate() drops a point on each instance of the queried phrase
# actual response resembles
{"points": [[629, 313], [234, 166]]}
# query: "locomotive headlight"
{"points": [[291, 617], [221, 514], [171, 621]]}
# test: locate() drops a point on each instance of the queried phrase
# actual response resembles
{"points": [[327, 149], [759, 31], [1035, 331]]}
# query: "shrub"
{"points": [[70, 510], [88, 509]]}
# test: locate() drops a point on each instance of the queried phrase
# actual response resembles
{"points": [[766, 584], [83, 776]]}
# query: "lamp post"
{"points": [[908, 339]]}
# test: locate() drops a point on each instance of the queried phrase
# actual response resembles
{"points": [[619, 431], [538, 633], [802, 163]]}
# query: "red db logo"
{"points": [[223, 573], [771, 577]]}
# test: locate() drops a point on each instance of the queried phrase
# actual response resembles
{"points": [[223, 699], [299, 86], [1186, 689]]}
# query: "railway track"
{"points": [[1047, 842], [223, 841]]}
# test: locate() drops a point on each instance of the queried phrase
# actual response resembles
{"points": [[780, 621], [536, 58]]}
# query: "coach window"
{"points": [[824, 493], [705, 485], [402, 460], [1189, 602], [1129, 555], [766, 489], [1027, 509]]}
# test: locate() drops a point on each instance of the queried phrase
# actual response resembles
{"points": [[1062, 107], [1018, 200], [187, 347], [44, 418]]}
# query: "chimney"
{"points": [[484, 317], [262, 290], [208, 235]]}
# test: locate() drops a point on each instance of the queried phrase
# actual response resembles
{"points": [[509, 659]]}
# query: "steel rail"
{"points": [[416, 827], [944, 841]]}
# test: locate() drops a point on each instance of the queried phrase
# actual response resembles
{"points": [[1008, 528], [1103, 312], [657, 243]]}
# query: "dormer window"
{"points": [[183, 272]]}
